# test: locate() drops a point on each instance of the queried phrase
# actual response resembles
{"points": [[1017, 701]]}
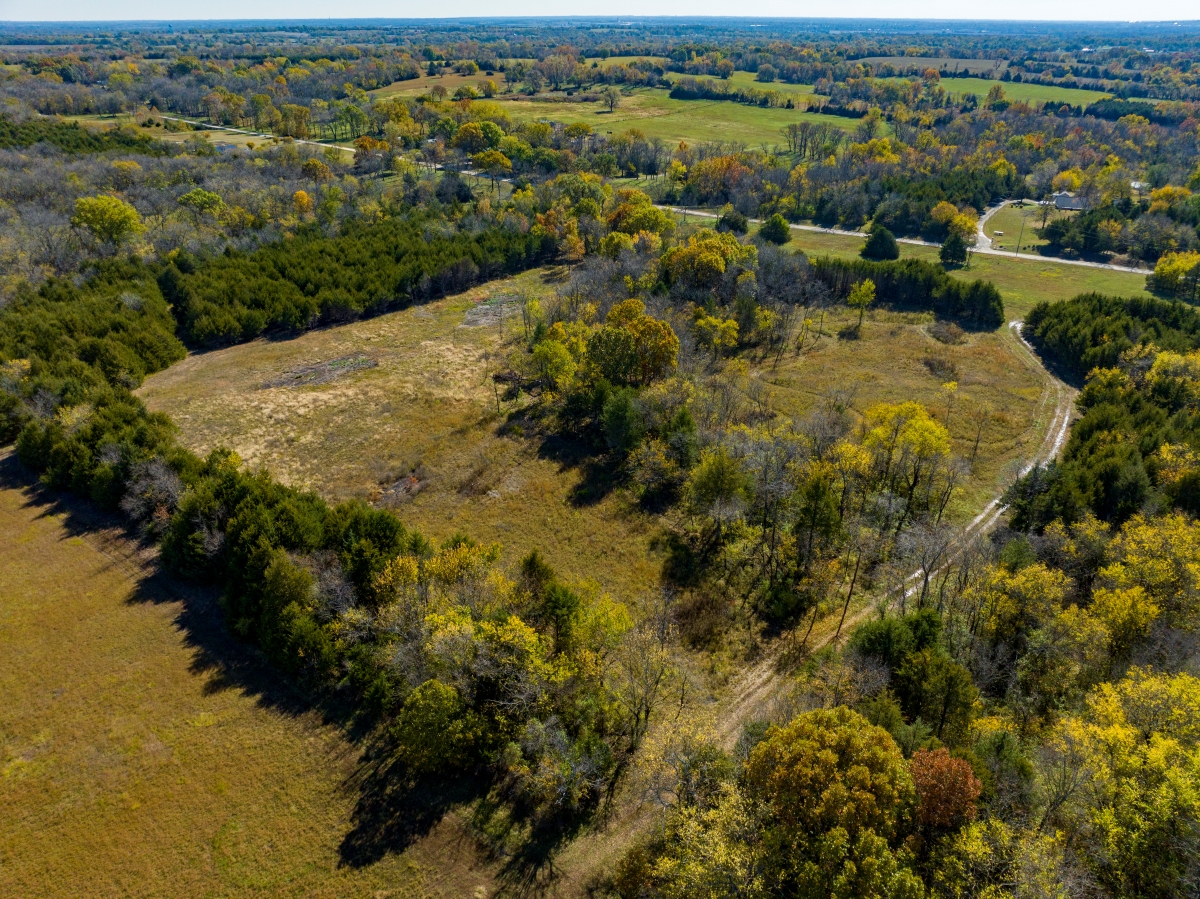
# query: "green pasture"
{"points": [[1023, 281], [655, 114], [1030, 93]]}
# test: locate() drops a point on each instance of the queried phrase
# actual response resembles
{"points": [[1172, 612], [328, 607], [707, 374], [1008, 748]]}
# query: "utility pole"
{"points": [[1021, 235]]}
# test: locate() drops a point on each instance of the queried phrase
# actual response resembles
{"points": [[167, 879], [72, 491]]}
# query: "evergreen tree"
{"points": [[775, 230], [954, 250], [880, 245]]}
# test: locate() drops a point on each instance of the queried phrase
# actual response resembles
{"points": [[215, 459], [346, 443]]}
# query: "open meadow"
{"points": [[1029, 93]]}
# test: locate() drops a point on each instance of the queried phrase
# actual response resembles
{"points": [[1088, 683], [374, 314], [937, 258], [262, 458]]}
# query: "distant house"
{"points": [[1064, 199]]}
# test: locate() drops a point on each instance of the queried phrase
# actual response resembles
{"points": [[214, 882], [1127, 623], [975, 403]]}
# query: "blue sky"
{"points": [[1089, 10]]}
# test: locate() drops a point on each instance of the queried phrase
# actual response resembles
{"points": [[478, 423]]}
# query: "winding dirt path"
{"points": [[759, 685]]}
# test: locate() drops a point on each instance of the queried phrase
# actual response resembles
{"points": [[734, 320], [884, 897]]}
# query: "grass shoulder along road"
{"points": [[1023, 281]]}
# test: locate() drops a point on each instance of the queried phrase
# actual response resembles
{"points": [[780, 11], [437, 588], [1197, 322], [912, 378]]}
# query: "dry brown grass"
{"points": [[427, 410], [144, 754], [890, 362], [425, 417]]}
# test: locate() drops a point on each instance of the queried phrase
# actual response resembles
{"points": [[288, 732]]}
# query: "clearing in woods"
{"points": [[412, 423]]}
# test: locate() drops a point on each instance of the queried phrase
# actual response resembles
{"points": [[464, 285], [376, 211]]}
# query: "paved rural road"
{"points": [[980, 247], [752, 694]]}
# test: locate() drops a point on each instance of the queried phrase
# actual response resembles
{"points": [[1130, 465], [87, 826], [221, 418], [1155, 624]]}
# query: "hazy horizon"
{"points": [[1168, 12]]}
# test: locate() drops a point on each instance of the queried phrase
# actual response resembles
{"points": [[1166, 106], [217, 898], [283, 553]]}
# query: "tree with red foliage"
{"points": [[946, 786]]}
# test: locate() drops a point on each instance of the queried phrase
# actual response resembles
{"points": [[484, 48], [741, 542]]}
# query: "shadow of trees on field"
{"points": [[391, 811], [599, 475], [224, 662]]}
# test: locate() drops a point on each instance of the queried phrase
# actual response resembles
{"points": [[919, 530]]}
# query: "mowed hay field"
{"points": [[144, 754], [424, 417], [650, 110]]}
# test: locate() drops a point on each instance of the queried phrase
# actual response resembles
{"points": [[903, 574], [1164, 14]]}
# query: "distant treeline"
{"points": [[915, 283], [1159, 113], [839, 109]]}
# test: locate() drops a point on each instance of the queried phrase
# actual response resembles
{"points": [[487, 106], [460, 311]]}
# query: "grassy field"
{"points": [[143, 754], [1023, 282], [1030, 93], [427, 409], [655, 114], [450, 81]]}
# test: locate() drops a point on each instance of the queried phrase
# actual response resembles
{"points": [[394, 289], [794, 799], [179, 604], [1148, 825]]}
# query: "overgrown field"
{"points": [[401, 409], [144, 753]]}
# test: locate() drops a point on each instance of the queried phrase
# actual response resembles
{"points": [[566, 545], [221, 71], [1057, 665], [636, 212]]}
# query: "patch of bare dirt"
{"points": [[322, 372]]}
